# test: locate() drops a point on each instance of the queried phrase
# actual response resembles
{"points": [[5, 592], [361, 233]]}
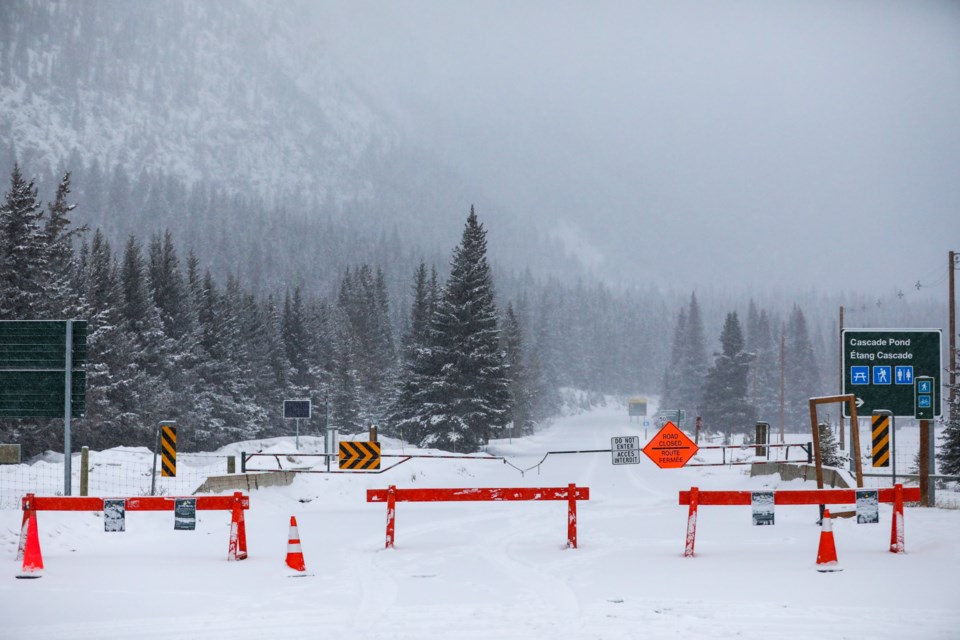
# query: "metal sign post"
{"points": [[297, 409], [67, 399]]}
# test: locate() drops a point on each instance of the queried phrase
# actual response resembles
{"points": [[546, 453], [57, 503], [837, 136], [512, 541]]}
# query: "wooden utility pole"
{"points": [[925, 464], [840, 392], [782, 395]]}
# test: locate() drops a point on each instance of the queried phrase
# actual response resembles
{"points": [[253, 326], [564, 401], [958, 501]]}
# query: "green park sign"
{"points": [[33, 368], [881, 367]]}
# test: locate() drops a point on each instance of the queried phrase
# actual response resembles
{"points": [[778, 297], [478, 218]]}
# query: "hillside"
{"points": [[234, 102]]}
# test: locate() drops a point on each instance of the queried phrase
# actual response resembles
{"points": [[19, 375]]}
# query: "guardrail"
{"points": [[391, 495]]}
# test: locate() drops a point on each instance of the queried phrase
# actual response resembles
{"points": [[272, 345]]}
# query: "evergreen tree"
{"points": [[829, 447], [23, 259], [267, 363], [764, 378], [801, 376], [403, 419], [724, 406], [146, 392], [545, 361], [949, 454], [365, 309], [684, 380], [670, 393], [468, 400], [295, 341], [693, 361], [63, 295], [522, 391], [345, 410], [108, 350], [177, 312]]}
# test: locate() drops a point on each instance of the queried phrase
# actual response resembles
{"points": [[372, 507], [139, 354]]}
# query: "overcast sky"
{"points": [[809, 144]]}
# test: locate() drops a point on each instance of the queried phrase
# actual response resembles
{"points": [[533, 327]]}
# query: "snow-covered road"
{"points": [[491, 570]]}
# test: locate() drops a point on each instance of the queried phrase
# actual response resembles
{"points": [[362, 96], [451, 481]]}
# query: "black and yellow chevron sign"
{"points": [[168, 451], [359, 455], [881, 440]]}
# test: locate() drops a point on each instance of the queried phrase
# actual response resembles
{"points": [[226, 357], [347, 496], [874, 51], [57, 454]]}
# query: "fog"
{"points": [[751, 144]]}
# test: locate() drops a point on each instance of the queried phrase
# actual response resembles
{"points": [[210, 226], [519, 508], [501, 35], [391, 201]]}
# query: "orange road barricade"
{"points": [[29, 548], [895, 495], [571, 493]]}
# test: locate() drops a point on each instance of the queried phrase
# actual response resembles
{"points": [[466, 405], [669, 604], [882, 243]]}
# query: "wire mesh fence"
{"points": [[119, 472]]}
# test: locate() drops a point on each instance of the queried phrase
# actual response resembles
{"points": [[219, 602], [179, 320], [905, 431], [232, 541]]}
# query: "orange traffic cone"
{"points": [[294, 551], [32, 559], [827, 553]]}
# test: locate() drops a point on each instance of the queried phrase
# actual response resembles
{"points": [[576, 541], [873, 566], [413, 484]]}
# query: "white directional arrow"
{"points": [[859, 402]]}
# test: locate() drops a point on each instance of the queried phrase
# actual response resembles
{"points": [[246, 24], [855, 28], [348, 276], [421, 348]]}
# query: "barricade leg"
{"points": [[572, 516], [28, 512], [391, 513], [691, 523], [238, 531], [897, 544]]}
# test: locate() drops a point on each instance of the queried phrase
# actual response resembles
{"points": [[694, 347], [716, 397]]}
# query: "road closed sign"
{"points": [[671, 448], [625, 449]]}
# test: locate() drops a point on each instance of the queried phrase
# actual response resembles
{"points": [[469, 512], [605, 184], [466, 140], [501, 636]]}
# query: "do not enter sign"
{"points": [[671, 448]]}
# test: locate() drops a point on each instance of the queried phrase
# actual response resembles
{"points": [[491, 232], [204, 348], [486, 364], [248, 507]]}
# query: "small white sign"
{"points": [[625, 449]]}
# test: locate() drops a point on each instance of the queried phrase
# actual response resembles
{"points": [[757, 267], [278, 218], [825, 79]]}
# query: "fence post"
{"points": [[692, 522], [243, 462], [572, 516], [391, 513], [84, 471], [763, 438]]}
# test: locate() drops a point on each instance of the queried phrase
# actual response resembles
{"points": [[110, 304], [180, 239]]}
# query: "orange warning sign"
{"points": [[671, 448]]}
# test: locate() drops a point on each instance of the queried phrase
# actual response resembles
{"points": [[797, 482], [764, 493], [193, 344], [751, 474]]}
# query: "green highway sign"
{"points": [[33, 356], [882, 367], [925, 390]]}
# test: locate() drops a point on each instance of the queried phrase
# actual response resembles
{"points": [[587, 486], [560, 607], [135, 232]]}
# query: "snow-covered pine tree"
{"points": [[293, 328], [764, 376], [522, 390], [801, 375], [365, 308], [108, 349], [724, 404], [403, 420], [469, 398], [545, 359], [146, 390], [345, 408], [829, 447], [269, 369], [670, 393], [683, 382], [181, 329], [23, 257], [63, 299], [949, 454]]}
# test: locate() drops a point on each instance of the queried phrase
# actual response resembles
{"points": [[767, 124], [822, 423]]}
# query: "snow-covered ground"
{"points": [[490, 570]]}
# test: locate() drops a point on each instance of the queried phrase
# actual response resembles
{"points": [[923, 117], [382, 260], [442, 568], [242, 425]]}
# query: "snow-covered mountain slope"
{"points": [[238, 98], [214, 90]]}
